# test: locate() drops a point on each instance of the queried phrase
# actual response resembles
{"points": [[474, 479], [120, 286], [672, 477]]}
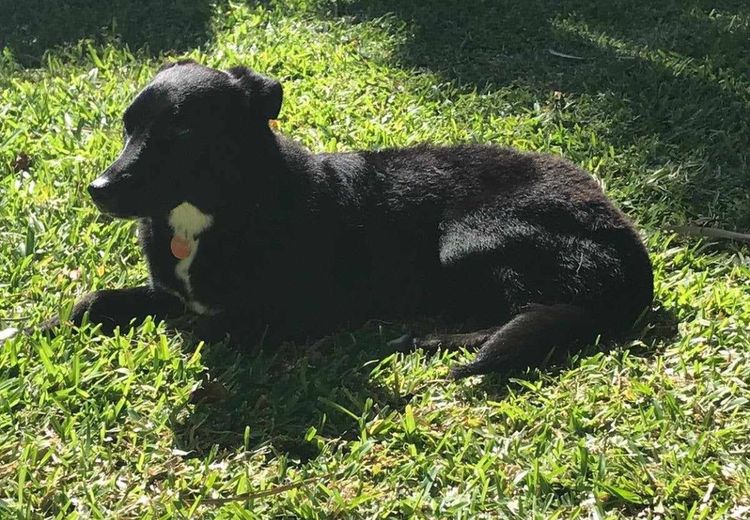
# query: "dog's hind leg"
{"points": [[112, 308], [432, 342], [584, 284], [530, 338]]}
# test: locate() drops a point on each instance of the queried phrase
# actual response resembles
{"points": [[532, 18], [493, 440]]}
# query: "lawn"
{"points": [[652, 97]]}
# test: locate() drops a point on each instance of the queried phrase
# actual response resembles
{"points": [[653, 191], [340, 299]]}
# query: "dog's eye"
{"points": [[182, 132]]}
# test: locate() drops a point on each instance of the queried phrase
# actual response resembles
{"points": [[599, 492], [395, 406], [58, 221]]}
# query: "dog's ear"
{"points": [[264, 94], [170, 64]]}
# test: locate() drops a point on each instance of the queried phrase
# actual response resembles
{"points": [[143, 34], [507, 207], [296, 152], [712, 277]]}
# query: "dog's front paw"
{"points": [[101, 307], [75, 318]]}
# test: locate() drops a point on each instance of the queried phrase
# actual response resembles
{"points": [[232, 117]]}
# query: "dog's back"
{"points": [[539, 216]]}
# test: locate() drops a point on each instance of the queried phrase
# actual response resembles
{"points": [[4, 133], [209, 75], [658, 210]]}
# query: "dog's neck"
{"points": [[187, 223]]}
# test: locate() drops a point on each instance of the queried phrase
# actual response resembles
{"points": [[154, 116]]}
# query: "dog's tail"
{"points": [[531, 337]]}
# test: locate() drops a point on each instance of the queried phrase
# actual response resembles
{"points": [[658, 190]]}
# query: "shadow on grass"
{"points": [[272, 398], [30, 27], [670, 77]]}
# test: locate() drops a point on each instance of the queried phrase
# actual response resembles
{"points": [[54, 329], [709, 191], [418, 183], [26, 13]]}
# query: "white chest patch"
{"points": [[188, 222]]}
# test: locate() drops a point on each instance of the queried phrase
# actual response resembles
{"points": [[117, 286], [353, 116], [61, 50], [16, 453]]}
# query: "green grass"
{"points": [[658, 427]]}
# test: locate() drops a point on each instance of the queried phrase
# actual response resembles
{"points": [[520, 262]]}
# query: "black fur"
{"points": [[302, 244]]}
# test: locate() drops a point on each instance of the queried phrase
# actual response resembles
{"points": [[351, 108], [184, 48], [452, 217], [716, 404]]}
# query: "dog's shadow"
{"points": [[274, 398]]}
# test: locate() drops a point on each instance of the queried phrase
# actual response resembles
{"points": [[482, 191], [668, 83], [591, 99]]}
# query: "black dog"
{"points": [[247, 228]]}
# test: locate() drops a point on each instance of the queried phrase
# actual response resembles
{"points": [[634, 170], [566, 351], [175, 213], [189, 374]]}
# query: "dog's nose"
{"points": [[99, 189]]}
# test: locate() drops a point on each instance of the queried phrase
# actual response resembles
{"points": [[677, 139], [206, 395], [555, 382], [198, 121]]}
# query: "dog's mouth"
{"points": [[119, 215], [110, 208], [122, 213], [126, 201]]}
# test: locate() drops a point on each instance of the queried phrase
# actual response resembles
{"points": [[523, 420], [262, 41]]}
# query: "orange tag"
{"points": [[275, 125], [180, 247]]}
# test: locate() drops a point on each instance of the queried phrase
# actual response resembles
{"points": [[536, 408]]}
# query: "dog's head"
{"points": [[179, 130]]}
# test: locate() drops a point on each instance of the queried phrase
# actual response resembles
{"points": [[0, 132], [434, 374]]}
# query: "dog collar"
{"points": [[180, 247]]}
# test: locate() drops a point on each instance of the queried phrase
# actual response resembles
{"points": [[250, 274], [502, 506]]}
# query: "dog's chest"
{"points": [[188, 223]]}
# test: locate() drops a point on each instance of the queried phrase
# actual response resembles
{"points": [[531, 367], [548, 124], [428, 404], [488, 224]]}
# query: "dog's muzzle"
{"points": [[101, 192]]}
